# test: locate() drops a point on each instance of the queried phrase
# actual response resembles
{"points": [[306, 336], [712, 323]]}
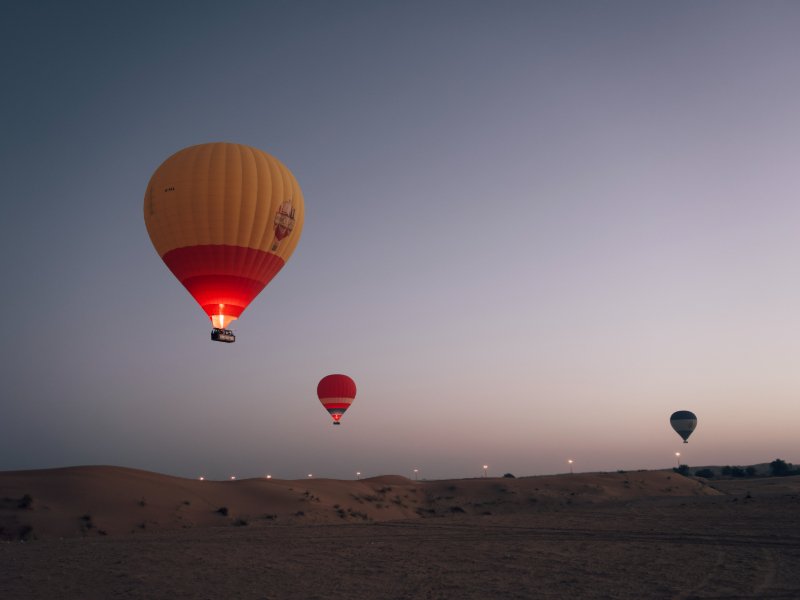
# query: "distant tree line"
{"points": [[777, 468]]}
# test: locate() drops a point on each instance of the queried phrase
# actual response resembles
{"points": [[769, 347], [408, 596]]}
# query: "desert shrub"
{"points": [[299, 513], [509, 476], [222, 510], [25, 502], [240, 522], [26, 533], [86, 523], [456, 509], [142, 502], [707, 473]]}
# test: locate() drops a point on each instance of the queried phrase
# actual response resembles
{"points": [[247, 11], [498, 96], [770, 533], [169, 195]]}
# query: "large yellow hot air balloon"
{"points": [[225, 218]]}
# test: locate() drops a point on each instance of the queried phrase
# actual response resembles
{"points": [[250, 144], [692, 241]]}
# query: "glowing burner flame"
{"points": [[222, 320]]}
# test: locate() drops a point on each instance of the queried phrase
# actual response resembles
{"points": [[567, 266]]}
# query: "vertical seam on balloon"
{"points": [[223, 198], [246, 237], [268, 225], [296, 196], [185, 237], [254, 193], [284, 178]]}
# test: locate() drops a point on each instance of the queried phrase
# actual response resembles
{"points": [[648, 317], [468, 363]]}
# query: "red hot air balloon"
{"points": [[336, 393]]}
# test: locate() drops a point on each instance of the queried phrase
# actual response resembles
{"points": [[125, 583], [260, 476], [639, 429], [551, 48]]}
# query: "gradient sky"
{"points": [[533, 231]]}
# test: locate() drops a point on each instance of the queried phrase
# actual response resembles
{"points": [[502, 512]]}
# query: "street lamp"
{"points": [[570, 461], [485, 470], [678, 457], [233, 477], [358, 474], [269, 476], [202, 478], [416, 474], [310, 474]]}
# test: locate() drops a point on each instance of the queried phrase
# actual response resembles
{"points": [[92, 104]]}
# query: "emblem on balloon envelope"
{"points": [[284, 222], [214, 213]]}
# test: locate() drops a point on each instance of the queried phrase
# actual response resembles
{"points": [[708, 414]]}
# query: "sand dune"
{"points": [[103, 500], [109, 532]]}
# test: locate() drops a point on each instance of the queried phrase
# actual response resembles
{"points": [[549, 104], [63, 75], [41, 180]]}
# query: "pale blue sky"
{"points": [[533, 231]]}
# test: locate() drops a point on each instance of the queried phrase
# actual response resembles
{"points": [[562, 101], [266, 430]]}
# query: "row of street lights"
{"points": [[570, 462]]}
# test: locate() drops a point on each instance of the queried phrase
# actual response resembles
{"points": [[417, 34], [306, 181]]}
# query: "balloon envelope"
{"points": [[336, 393], [684, 422], [225, 218]]}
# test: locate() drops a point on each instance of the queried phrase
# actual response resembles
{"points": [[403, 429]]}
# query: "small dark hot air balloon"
{"points": [[336, 393], [224, 218], [683, 422]]}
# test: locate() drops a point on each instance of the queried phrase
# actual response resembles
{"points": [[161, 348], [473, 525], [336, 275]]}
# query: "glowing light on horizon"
{"points": [[269, 476], [202, 478], [233, 477]]}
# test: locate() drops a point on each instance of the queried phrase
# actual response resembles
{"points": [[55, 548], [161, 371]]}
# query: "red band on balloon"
{"points": [[223, 275]]}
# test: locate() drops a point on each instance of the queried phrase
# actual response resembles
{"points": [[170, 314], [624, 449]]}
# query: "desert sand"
{"points": [[111, 532]]}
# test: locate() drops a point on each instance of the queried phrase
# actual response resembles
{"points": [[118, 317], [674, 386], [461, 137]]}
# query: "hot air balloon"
{"points": [[336, 393], [684, 423], [225, 218]]}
